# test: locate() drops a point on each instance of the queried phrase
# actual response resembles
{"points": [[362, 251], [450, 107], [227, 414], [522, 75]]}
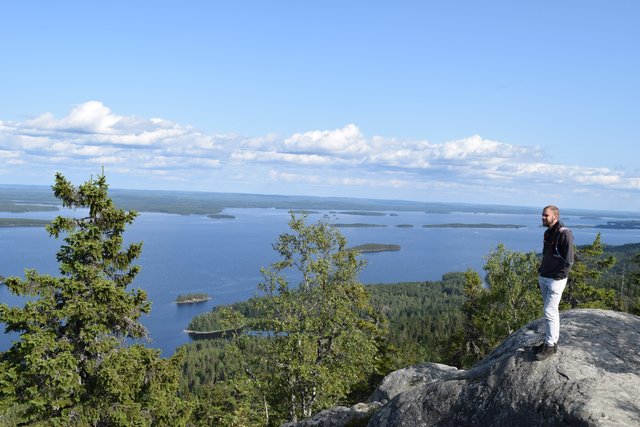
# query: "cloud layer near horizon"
{"points": [[138, 150]]}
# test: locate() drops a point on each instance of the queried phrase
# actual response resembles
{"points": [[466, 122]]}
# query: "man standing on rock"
{"points": [[557, 259]]}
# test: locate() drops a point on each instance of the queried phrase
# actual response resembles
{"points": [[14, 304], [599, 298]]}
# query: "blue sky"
{"points": [[520, 103]]}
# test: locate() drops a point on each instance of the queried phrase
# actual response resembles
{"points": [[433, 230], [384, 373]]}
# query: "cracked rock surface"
{"points": [[593, 380]]}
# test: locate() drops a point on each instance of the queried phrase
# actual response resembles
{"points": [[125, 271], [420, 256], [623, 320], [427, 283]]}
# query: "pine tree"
{"points": [[70, 365]]}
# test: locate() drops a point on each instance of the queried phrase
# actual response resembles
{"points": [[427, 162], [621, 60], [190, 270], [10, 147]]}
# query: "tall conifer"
{"points": [[70, 365]]}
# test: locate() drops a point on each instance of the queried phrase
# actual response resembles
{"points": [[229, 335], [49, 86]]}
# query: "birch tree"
{"points": [[322, 329]]}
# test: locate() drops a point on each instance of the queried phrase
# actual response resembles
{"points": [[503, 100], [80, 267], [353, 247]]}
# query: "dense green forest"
{"points": [[421, 315], [456, 321], [320, 341]]}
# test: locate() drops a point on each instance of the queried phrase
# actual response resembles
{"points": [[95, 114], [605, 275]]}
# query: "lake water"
{"points": [[223, 257]]}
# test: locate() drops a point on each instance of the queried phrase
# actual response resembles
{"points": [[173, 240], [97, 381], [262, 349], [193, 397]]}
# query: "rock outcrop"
{"points": [[593, 380], [409, 378]]}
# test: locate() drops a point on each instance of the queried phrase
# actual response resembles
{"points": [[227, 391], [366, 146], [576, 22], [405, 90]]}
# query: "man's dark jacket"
{"points": [[557, 253]]}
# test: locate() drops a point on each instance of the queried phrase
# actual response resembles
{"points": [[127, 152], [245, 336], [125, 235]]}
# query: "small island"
{"points": [[221, 216], [23, 222], [303, 211], [404, 225], [357, 225], [481, 225], [363, 213], [192, 298], [375, 247], [620, 225]]}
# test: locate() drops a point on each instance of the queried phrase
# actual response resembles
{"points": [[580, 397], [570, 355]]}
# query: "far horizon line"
{"points": [[533, 209]]}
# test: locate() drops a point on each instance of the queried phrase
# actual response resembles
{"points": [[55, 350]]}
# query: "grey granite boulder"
{"points": [[340, 416], [406, 379], [593, 380]]}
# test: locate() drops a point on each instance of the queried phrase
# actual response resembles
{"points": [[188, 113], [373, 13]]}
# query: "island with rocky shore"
{"points": [[192, 298]]}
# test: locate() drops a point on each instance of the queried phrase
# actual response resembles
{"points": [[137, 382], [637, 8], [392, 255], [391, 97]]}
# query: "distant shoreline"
{"points": [[27, 198]]}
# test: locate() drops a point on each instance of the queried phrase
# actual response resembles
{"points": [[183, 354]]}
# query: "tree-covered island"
{"points": [[481, 225], [357, 225], [621, 225], [221, 216], [192, 298], [363, 213], [375, 247]]}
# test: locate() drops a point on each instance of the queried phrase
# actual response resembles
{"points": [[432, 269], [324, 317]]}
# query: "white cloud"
{"points": [[347, 141], [91, 117], [6, 154], [272, 156], [344, 158], [475, 147]]}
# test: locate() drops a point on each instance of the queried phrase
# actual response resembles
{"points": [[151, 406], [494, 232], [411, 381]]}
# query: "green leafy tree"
{"points": [[70, 365], [582, 290], [632, 301], [321, 333], [509, 300], [514, 296]]}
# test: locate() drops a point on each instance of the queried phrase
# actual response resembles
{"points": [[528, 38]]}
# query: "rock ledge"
{"points": [[594, 380]]}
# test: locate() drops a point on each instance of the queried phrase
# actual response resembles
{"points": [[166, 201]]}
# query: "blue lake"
{"points": [[223, 257]]}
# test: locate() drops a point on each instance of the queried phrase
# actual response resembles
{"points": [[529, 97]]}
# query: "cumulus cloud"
{"points": [[91, 134], [90, 117], [477, 148], [347, 141]]}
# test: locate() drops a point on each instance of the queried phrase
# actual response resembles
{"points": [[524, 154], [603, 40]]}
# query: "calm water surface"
{"points": [[223, 257]]}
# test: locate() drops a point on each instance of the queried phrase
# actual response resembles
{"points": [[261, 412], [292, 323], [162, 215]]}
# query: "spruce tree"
{"points": [[71, 364]]}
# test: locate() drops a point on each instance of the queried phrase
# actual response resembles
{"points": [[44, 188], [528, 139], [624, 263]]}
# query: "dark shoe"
{"points": [[546, 352], [537, 348]]}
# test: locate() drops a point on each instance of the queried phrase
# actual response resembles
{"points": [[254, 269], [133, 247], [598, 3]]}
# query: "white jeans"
{"points": [[551, 294]]}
